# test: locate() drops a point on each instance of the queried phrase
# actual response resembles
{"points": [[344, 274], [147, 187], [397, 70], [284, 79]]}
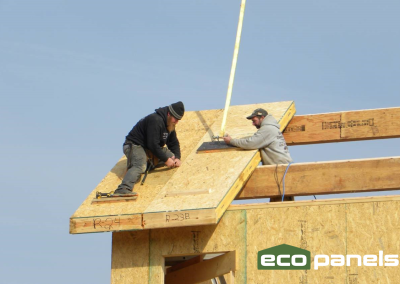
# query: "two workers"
{"points": [[148, 137]]}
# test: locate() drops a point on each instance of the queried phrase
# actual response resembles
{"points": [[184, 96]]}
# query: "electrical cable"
{"points": [[284, 175]]}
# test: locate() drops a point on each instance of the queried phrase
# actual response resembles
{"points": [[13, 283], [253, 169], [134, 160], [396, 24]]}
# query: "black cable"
{"points": [[277, 180]]}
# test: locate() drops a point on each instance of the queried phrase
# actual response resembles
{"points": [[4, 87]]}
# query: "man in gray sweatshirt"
{"points": [[268, 139]]}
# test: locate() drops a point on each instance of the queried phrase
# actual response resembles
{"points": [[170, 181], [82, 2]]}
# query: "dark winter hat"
{"points": [[177, 110], [258, 112]]}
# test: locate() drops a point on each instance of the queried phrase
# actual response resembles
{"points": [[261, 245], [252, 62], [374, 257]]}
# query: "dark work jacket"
{"points": [[151, 133]]}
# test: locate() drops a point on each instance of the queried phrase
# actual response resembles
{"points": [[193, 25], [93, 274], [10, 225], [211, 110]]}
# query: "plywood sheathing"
{"points": [[194, 240], [319, 229], [220, 174], [372, 227], [351, 226], [130, 258], [190, 130]]}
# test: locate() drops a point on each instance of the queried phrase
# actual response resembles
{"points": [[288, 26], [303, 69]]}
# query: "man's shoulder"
{"points": [[154, 118], [267, 129], [269, 121]]}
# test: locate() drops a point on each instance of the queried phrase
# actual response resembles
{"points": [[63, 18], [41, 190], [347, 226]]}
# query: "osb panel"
{"points": [[319, 229], [228, 235], [130, 257], [372, 227], [359, 228], [216, 172], [190, 130], [370, 123]]}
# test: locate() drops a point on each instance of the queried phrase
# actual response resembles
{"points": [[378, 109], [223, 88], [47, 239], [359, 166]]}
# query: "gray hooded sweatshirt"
{"points": [[269, 140]]}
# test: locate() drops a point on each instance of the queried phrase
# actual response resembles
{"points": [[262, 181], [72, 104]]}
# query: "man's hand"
{"points": [[177, 163], [170, 163], [227, 138]]}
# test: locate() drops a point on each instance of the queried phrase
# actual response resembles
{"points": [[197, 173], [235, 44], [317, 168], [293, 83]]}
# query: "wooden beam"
{"points": [[204, 270], [324, 178], [105, 224], [186, 263], [179, 218], [343, 126], [317, 202]]}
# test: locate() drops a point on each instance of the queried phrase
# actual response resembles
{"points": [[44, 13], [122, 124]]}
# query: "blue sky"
{"points": [[75, 76]]}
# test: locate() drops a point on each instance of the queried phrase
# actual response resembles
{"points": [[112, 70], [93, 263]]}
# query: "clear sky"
{"points": [[75, 76]]}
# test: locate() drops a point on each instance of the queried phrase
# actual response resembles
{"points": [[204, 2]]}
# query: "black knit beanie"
{"points": [[177, 110]]}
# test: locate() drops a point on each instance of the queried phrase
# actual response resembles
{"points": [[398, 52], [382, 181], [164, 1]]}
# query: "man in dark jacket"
{"points": [[148, 138]]}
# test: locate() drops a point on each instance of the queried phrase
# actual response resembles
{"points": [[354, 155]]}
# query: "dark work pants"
{"points": [[138, 165]]}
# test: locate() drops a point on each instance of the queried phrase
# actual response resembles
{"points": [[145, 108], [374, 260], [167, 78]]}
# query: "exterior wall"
{"points": [[362, 227]]}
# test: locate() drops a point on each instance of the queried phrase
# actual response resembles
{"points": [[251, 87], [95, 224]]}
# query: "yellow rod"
{"points": [[233, 68]]}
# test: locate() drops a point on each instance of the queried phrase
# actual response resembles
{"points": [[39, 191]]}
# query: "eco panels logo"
{"points": [[284, 257]]}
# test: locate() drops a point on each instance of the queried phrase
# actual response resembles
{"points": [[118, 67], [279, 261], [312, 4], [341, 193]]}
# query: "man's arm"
{"points": [[261, 139], [173, 145], [153, 139]]}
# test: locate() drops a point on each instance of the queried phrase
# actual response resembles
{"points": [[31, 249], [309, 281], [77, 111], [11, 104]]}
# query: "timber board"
{"points": [[343, 126], [348, 176]]}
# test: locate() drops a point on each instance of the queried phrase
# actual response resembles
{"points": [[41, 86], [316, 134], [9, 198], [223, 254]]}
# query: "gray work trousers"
{"points": [[138, 165]]}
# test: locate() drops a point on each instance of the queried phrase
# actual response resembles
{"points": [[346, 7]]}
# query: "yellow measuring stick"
{"points": [[233, 68]]}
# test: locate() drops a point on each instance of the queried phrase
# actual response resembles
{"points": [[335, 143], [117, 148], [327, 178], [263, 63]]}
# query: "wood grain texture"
{"points": [[324, 178], [187, 263], [373, 227], [105, 224], [342, 226], [318, 229], [343, 126], [130, 257], [204, 270], [198, 240], [319, 202]]}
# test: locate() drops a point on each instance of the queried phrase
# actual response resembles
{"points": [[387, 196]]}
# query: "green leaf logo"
{"points": [[284, 257]]}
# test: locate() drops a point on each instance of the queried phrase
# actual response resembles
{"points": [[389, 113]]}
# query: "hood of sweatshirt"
{"points": [[163, 112], [270, 120]]}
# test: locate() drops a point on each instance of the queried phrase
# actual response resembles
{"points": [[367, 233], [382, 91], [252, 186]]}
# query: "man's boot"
{"points": [[124, 192]]}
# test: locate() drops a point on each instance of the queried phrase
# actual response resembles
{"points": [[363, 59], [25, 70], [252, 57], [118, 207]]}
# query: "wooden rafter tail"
{"points": [[343, 126], [105, 224]]}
